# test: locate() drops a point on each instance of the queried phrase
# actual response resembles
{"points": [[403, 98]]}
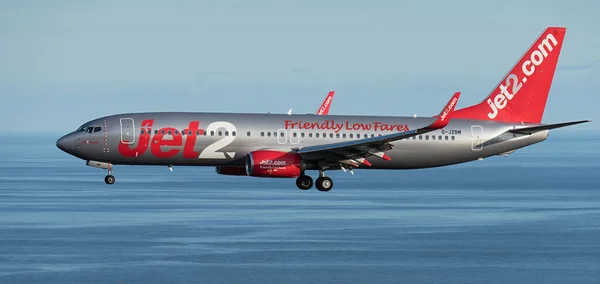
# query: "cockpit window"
{"points": [[89, 129]]}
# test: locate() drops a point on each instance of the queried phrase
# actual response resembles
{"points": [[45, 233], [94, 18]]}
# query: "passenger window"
{"points": [[233, 133], [212, 133], [302, 134], [226, 133], [432, 137], [169, 132], [344, 135], [190, 133], [268, 134], [262, 134], [330, 135], [162, 132], [372, 135], [155, 131], [420, 137], [176, 132], [248, 133], [337, 135], [426, 137], [295, 134], [197, 132], [317, 134], [453, 138], [446, 137], [142, 131], [440, 137], [324, 135], [220, 133], [310, 134]]}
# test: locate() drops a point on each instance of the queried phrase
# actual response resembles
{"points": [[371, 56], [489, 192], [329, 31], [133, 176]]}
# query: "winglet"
{"points": [[324, 108], [446, 114]]}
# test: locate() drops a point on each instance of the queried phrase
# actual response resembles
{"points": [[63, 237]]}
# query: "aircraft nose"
{"points": [[64, 143]]}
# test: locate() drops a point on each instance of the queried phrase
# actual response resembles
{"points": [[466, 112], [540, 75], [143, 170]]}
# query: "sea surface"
{"points": [[531, 217]]}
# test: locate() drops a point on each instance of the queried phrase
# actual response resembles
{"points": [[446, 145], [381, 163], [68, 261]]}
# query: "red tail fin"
{"points": [[521, 96]]}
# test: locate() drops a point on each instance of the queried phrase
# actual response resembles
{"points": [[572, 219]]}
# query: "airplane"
{"points": [[325, 106], [286, 146]]}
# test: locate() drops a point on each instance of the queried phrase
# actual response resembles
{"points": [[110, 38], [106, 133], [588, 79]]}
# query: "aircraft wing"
{"points": [[354, 152], [324, 108]]}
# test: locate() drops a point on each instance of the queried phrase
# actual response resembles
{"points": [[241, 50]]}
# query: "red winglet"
{"points": [[444, 117], [324, 109]]}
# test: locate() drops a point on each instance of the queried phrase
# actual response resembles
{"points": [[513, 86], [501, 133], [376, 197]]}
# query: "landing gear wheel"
{"points": [[304, 182], [324, 184], [109, 179]]}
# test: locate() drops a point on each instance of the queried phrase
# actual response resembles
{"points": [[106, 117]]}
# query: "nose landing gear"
{"points": [[108, 179]]}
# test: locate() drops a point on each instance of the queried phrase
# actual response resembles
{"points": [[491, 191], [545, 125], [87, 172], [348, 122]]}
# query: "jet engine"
{"points": [[276, 164]]}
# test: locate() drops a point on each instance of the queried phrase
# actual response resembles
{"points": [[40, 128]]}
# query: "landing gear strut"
{"points": [[304, 182], [324, 183]]}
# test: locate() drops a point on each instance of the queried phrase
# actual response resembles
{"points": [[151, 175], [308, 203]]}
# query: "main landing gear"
{"points": [[322, 183], [304, 182]]}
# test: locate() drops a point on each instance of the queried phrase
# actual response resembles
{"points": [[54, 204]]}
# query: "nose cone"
{"points": [[65, 144]]}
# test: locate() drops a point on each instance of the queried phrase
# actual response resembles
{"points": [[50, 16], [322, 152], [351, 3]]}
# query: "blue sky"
{"points": [[66, 62]]}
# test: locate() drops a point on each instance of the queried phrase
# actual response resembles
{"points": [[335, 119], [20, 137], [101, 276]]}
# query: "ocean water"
{"points": [[532, 217]]}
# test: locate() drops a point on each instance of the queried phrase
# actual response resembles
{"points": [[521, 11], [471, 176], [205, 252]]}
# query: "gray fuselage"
{"points": [[217, 139]]}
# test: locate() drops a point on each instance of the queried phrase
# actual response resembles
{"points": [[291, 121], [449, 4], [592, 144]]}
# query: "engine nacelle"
{"points": [[231, 170], [269, 163]]}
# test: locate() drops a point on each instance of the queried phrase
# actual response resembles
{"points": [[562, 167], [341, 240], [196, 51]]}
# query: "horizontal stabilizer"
{"points": [[534, 129]]}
